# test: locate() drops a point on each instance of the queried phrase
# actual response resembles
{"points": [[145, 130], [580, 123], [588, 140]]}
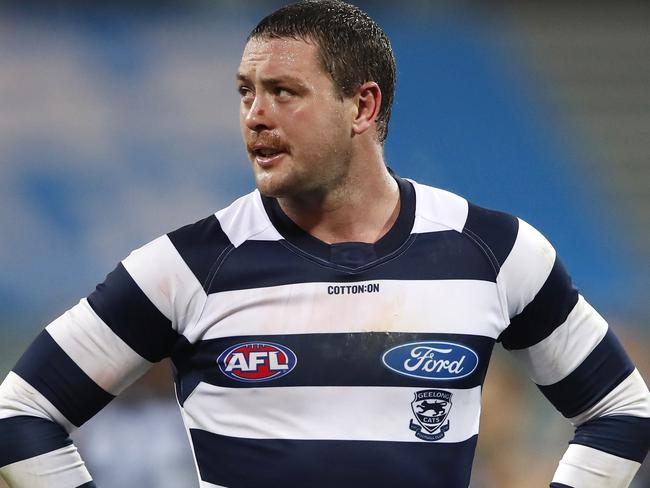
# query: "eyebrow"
{"points": [[272, 81]]}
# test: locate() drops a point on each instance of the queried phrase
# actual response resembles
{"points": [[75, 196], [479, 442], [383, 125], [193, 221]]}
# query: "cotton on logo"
{"points": [[257, 361]]}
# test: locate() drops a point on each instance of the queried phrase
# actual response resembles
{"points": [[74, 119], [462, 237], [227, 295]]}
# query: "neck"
{"points": [[361, 208]]}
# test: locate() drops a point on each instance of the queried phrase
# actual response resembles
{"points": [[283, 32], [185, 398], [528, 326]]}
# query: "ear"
{"points": [[368, 102]]}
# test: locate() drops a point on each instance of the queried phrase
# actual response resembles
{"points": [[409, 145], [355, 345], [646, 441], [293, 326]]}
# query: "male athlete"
{"points": [[334, 327]]}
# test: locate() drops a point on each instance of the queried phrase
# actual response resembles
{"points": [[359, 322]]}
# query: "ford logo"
{"points": [[431, 360], [257, 361]]}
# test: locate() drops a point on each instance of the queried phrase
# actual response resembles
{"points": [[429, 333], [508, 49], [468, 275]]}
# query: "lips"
{"points": [[267, 161], [266, 155], [267, 152]]}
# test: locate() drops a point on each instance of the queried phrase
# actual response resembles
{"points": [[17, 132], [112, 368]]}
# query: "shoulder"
{"points": [[535, 286], [243, 219], [495, 232], [201, 244], [229, 225]]}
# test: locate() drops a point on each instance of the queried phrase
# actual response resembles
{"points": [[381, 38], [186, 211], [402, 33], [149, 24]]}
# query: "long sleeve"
{"points": [[86, 357], [578, 364]]}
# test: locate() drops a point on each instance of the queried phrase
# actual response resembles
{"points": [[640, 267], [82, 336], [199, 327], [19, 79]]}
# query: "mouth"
{"points": [[267, 156]]}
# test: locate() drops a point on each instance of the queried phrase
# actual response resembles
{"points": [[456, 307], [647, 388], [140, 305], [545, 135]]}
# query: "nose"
{"points": [[256, 116]]}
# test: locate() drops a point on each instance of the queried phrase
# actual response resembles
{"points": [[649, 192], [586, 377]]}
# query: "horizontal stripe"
{"points": [[548, 310], [246, 219], [201, 245], [62, 468], [526, 268], [438, 209], [434, 256], [124, 307], [552, 359], [335, 413], [626, 437], [606, 367], [422, 225], [24, 437], [166, 280], [50, 370], [585, 466], [205, 484], [17, 397], [459, 307], [334, 360], [90, 484], [237, 463], [495, 231], [630, 397], [96, 349]]}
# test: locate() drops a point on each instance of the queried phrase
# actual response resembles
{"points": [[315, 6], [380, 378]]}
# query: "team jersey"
{"points": [[299, 363]]}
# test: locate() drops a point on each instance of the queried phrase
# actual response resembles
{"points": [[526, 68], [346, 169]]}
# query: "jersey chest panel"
{"points": [[380, 365]]}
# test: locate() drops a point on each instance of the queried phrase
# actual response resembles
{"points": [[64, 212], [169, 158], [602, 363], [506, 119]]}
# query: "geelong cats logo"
{"points": [[257, 361], [430, 408]]}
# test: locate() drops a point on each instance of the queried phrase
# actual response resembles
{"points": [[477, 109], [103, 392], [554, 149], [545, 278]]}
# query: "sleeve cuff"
{"points": [[585, 467]]}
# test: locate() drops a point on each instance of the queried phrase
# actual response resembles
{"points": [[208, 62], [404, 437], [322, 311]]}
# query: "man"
{"points": [[334, 327]]}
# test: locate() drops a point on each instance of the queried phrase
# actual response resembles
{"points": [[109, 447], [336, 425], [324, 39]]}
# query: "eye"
{"points": [[282, 92], [244, 92]]}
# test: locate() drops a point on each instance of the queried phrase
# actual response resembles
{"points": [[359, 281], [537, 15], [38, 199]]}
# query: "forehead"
{"points": [[277, 57]]}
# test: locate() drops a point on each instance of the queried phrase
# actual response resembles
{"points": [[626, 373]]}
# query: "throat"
{"points": [[347, 243], [358, 222]]}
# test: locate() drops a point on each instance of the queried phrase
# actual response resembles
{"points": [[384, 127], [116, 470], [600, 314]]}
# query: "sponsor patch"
{"points": [[431, 360], [257, 361], [431, 408]]}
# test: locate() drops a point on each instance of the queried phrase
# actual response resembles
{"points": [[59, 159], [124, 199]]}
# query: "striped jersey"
{"points": [[299, 363]]}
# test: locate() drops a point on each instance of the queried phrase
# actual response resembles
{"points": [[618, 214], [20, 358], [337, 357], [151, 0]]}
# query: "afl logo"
{"points": [[431, 360], [256, 361]]}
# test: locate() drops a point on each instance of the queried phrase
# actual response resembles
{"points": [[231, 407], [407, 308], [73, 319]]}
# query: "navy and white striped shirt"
{"points": [[299, 363]]}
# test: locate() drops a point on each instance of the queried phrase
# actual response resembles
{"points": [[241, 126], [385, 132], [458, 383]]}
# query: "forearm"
{"points": [[583, 466], [60, 468], [611, 439], [35, 450], [70, 372]]}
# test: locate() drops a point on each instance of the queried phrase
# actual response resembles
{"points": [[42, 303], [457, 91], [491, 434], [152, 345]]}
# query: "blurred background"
{"points": [[119, 122]]}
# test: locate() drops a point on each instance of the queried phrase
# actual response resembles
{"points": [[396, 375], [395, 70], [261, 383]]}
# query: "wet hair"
{"points": [[353, 49]]}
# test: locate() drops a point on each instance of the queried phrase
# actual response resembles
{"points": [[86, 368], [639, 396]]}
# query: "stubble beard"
{"points": [[310, 173], [295, 183]]}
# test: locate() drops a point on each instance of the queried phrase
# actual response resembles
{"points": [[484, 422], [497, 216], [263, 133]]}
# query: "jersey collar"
{"points": [[349, 254]]}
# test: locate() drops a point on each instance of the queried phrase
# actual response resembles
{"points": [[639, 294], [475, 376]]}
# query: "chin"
{"points": [[283, 182], [272, 187]]}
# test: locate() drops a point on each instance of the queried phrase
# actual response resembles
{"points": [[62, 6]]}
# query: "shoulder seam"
{"points": [[485, 248], [212, 273], [494, 263], [216, 266]]}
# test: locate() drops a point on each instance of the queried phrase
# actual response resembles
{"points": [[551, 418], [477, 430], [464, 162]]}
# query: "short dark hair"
{"points": [[353, 49]]}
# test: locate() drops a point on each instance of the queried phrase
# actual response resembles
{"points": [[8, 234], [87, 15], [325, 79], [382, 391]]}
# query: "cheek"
{"points": [[242, 120], [299, 116], [316, 121]]}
